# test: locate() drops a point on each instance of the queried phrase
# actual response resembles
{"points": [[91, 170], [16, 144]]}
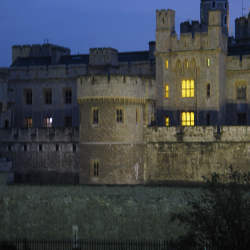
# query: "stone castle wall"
{"points": [[184, 155], [42, 154]]}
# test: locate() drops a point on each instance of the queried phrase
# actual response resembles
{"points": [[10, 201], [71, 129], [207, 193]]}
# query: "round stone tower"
{"points": [[223, 6], [113, 112]]}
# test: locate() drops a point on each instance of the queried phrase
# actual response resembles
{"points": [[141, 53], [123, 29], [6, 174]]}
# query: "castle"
{"points": [[172, 113]]}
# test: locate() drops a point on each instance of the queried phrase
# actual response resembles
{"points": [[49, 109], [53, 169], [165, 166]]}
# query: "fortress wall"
{"points": [[48, 165], [117, 86], [51, 71], [197, 151], [110, 212], [137, 68]]}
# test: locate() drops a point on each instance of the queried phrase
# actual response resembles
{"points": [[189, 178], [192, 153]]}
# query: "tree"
{"points": [[220, 216]]}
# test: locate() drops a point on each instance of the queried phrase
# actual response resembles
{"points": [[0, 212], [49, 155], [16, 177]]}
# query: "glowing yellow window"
{"points": [[187, 118], [167, 91], [167, 120], [166, 64], [208, 62], [187, 88]]}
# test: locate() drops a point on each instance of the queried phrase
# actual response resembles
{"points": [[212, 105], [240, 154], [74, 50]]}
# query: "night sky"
{"points": [[126, 25]]}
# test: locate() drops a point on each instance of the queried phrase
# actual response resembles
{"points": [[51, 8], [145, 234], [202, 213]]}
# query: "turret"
{"points": [[223, 6]]}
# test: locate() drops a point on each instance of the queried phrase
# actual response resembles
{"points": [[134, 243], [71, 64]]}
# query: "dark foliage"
{"points": [[220, 216]]}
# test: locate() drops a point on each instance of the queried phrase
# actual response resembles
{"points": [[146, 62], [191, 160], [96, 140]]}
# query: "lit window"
{"points": [[48, 97], [29, 97], [186, 64], [187, 88], [48, 122], [167, 91], [68, 96], [208, 62], [96, 169], [28, 122], [137, 116], [95, 115], [208, 90], [242, 92], [119, 115], [166, 64], [167, 120], [68, 121], [187, 118]]}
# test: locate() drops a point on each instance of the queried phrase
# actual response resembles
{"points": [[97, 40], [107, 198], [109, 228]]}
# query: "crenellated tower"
{"points": [[208, 5]]}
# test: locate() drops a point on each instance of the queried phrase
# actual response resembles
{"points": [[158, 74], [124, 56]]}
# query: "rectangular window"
{"points": [[208, 62], [9, 147], [68, 96], [187, 118], [188, 88], [68, 121], [95, 115], [48, 97], [57, 147], [95, 169], [167, 120], [40, 147], [119, 115], [137, 115], [242, 119], [48, 122], [167, 91], [29, 97], [242, 92], [74, 147], [208, 119], [208, 90], [28, 122], [166, 64], [25, 147]]}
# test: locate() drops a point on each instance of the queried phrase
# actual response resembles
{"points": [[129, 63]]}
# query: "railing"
{"points": [[93, 244]]}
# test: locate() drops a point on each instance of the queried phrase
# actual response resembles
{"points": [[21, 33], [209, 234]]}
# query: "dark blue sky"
{"points": [[126, 25]]}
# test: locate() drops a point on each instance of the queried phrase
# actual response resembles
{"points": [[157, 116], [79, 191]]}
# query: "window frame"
{"points": [[48, 124], [48, 97], [166, 118], [95, 169], [166, 91], [68, 96], [28, 97], [184, 123], [94, 115], [186, 88], [28, 122], [120, 116]]}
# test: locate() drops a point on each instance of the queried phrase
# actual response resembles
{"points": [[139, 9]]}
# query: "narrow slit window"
{"points": [[167, 91], [96, 169], [208, 90], [95, 115], [208, 119], [166, 64], [137, 116], [208, 62], [167, 120]]}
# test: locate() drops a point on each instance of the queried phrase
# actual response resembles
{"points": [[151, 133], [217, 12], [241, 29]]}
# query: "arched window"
{"points": [[193, 64], [178, 65]]}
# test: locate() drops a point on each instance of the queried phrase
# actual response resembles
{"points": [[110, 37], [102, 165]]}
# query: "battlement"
{"points": [[39, 135], [242, 30], [165, 20], [50, 71], [186, 27], [197, 134], [236, 63], [103, 56], [37, 50], [115, 86]]}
